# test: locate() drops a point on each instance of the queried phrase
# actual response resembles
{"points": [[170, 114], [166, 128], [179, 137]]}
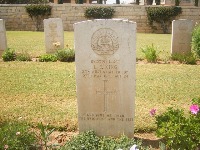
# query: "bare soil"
{"points": [[148, 139]]}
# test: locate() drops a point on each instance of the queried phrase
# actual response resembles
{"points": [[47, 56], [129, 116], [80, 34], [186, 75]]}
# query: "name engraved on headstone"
{"points": [[106, 68]]}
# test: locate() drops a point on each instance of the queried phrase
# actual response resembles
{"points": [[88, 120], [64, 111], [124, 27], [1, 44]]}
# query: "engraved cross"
{"points": [[105, 94]]}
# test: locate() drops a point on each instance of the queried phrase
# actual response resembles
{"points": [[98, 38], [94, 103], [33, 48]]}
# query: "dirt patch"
{"points": [[148, 139]]}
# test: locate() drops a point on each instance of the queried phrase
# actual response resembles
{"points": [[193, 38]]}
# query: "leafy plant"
{"points": [[88, 141], [162, 15], [16, 135], [151, 53], [180, 131], [196, 40], [99, 12], [38, 12], [188, 58], [66, 55], [43, 136], [23, 57], [177, 2], [196, 3], [48, 57], [157, 2], [9, 55]]}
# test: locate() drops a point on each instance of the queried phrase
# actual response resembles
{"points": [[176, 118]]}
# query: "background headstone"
{"points": [[105, 76], [3, 40], [54, 34], [181, 36]]}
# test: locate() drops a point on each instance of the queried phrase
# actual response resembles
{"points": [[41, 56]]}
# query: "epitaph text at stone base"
{"points": [[105, 76]]}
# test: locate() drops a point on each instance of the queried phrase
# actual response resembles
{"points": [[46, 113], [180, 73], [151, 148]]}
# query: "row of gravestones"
{"points": [[54, 35], [106, 69]]}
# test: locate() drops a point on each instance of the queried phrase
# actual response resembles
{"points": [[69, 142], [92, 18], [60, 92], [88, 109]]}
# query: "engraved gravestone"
{"points": [[54, 34], [105, 76], [181, 36], [3, 40]]}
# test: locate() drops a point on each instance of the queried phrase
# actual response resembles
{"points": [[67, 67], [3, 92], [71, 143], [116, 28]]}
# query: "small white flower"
{"points": [[56, 44], [17, 133], [134, 147], [19, 118], [6, 147]]}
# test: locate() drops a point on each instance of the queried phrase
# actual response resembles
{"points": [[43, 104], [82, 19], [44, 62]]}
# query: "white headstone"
{"points": [[181, 36], [3, 40], [105, 76], [54, 34]]}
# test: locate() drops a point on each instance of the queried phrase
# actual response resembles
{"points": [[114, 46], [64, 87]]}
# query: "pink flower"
{"points": [[152, 112], [18, 133], [194, 109], [5, 147]]}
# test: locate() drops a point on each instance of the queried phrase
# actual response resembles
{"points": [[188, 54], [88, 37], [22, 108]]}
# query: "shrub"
{"points": [[16, 136], [38, 12], [89, 141], [99, 12], [44, 136], [162, 15], [66, 55], [151, 53], [188, 58], [48, 58], [180, 131], [196, 40], [9, 55], [23, 57], [196, 3]]}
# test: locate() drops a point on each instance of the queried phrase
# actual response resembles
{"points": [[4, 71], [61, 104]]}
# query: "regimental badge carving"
{"points": [[105, 42]]}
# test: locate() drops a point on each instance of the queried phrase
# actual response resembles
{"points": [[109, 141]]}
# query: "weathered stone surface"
{"points": [[3, 40], [54, 34], [181, 36], [105, 76]]}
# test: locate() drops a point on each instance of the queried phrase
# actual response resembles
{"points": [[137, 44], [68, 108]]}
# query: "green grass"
{"points": [[46, 92], [33, 42]]}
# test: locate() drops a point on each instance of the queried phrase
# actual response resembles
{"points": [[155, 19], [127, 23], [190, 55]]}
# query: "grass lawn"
{"points": [[46, 92], [33, 42]]}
